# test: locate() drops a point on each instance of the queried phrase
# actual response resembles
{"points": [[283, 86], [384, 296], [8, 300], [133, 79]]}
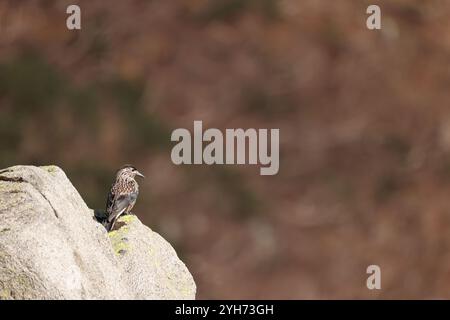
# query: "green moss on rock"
{"points": [[118, 237], [50, 169], [127, 218]]}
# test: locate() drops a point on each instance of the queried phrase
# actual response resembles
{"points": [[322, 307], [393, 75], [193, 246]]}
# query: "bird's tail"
{"points": [[109, 223]]}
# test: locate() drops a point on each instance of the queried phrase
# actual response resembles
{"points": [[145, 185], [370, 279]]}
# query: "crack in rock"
{"points": [[21, 180]]}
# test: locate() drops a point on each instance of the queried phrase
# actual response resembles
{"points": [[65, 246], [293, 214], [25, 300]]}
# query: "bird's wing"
{"points": [[133, 196], [118, 206], [110, 202]]}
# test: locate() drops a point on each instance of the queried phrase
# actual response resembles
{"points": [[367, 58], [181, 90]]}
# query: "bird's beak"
{"points": [[140, 174]]}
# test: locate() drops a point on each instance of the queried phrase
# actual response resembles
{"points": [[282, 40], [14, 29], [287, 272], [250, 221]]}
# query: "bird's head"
{"points": [[129, 172]]}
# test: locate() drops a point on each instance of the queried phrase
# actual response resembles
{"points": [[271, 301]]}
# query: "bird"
{"points": [[122, 195]]}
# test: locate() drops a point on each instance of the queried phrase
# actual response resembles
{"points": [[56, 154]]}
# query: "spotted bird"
{"points": [[122, 196]]}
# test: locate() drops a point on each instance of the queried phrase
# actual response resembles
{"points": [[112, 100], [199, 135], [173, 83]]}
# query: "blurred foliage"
{"points": [[388, 184], [228, 10], [398, 146], [259, 101], [31, 84], [363, 118], [246, 202], [145, 130]]}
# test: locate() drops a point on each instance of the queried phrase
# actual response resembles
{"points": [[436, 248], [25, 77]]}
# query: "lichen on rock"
{"points": [[118, 237], [50, 169]]}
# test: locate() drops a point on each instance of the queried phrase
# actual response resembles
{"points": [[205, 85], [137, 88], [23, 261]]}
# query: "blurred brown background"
{"points": [[364, 124]]}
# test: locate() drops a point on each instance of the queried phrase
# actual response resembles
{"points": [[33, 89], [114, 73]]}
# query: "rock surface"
{"points": [[52, 247]]}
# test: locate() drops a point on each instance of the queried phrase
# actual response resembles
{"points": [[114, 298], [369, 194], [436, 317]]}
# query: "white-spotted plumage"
{"points": [[122, 196]]}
